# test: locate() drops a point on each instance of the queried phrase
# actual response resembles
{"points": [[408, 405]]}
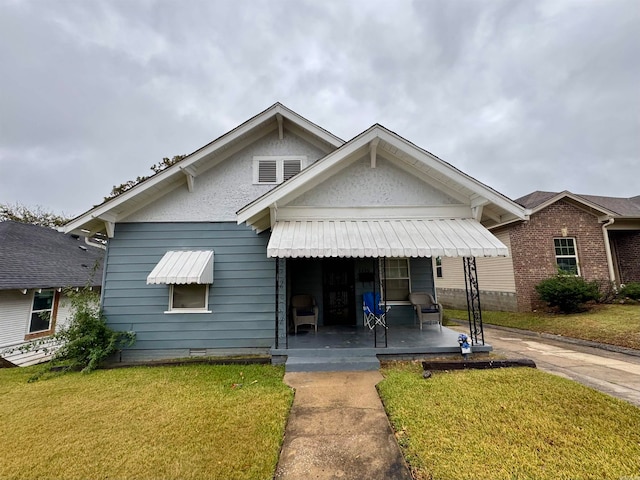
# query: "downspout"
{"points": [[607, 248]]}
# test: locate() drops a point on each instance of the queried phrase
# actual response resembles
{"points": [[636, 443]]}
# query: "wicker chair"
{"points": [[304, 311], [426, 308]]}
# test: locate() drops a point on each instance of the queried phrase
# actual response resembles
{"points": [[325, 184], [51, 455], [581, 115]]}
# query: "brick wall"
{"points": [[627, 248], [533, 251]]}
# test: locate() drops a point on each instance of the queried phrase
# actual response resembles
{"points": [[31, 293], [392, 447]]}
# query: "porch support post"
{"points": [[474, 312], [281, 303]]}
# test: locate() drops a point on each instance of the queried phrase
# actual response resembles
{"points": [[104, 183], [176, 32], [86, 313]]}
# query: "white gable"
{"points": [[222, 190], [360, 185]]}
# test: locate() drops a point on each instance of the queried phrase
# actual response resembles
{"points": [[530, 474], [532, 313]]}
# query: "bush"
{"points": [[567, 292], [631, 290], [607, 291]]}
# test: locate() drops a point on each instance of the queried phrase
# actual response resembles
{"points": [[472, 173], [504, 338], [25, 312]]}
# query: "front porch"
{"points": [[340, 347]]}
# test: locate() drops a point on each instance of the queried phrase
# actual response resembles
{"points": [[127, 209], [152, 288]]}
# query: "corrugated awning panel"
{"points": [[180, 267], [383, 238]]}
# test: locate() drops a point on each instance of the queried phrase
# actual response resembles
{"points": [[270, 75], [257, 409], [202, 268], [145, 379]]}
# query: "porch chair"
{"points": [[374, 313], [426, 308], [304, 311]]}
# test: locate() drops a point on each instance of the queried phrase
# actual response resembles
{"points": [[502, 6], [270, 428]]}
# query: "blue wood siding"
{"points": [[241, 298]]}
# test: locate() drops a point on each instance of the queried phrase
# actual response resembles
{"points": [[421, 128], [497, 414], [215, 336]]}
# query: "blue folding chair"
{"points": [[374, 312]]}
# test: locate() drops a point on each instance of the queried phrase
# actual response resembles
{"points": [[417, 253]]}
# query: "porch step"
{"points": [[334, 363]]}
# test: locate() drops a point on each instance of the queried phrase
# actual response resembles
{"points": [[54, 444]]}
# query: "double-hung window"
{"points": [[397, 281], [273, 170], [566, 255], [439, 267], [42, 311]]}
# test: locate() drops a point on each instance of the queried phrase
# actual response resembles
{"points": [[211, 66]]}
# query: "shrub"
{"points": [[607, 291], [567, 292], [631, 290]]}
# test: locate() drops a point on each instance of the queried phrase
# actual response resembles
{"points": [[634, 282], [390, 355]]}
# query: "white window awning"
{"points": [[180, 267], [383, 238]]}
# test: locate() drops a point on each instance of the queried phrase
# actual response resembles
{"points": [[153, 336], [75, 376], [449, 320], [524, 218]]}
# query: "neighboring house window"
{"points": [[275, 170], [439, 267], [397, 282], [42, 319], [189, 298], [566, 256]]}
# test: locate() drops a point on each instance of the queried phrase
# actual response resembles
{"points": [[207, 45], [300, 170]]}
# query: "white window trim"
{"points": [[279, 159], [382, 280], [575, 248], [172, 310], [437, 264], [32, 311]]}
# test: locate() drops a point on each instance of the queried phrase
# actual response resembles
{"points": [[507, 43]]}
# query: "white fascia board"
{"points": [[325, 165], [188, 162], [310, 126], [450, 171], [315, 170], [575, 198]]}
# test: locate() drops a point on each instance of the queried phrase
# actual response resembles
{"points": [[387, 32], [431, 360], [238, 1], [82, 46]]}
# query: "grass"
{"points": [[611, 324], [516, 423], [186, 422]]}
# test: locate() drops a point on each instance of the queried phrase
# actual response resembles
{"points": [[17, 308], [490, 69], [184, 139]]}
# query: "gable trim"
{"points": [[325, 167]]}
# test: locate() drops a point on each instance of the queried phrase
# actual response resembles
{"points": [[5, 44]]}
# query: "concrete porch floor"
{"points": [[402, 341]]}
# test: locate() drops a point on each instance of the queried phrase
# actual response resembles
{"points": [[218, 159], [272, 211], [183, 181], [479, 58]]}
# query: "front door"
{"points": [[338, 288]]}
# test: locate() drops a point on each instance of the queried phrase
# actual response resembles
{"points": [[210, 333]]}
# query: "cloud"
{"points": [[521, 95]]}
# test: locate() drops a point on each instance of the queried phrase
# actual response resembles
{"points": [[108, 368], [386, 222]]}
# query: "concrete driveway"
{"points": [[613, 373]]}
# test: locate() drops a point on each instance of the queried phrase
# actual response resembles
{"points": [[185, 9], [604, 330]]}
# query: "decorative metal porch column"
{"points": [[381, 280], [282, 339], [474, 311]]}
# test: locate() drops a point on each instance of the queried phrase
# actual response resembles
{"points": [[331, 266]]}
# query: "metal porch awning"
{"points": [[383, 238], [181, 267]]}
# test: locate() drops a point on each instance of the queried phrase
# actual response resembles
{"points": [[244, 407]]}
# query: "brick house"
{"points": [[595, 237]]}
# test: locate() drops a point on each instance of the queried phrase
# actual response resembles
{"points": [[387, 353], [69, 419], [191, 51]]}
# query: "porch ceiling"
{"points": [[383, 238]]}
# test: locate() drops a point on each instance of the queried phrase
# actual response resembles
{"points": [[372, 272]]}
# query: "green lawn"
{"points": [[611, 324], [516, 423], [186, 422]]}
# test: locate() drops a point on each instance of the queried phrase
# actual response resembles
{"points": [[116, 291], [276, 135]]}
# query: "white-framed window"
{"points": [[566, 255], [439, 267], [396, 279], [272, 170], [189, 298], [42, 307]]}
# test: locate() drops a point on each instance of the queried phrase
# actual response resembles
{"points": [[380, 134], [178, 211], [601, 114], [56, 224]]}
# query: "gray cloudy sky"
{"points": [[522, 95]]}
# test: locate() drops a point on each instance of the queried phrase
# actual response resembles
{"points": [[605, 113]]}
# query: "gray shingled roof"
{"points": [[625, 207], [40, 257]]}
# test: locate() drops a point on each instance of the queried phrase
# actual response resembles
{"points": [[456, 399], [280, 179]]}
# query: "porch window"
{"points": [[566, 255], [41, 320], [439, 267], [397, 281], [272, 170]]}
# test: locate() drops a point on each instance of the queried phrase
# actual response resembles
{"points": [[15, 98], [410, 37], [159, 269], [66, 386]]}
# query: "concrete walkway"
{"points": [[616, 374], [338, 428]]}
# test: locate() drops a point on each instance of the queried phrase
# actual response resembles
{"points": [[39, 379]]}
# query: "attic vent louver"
{"points": [[268, 171], [291, 167]]}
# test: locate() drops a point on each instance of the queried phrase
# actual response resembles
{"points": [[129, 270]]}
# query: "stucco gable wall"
{"points": [[221, 191], [385, 185], [533, 251]]}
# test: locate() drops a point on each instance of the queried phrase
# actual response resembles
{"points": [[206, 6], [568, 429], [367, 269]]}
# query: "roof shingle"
{"points": [[38, 257]]}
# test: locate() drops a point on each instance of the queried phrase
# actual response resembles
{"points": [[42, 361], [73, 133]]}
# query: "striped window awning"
{"points": [[181, 267], [383, 238]]}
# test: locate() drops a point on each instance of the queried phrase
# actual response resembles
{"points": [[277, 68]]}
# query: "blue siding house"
{"points": [[204, 257]]}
